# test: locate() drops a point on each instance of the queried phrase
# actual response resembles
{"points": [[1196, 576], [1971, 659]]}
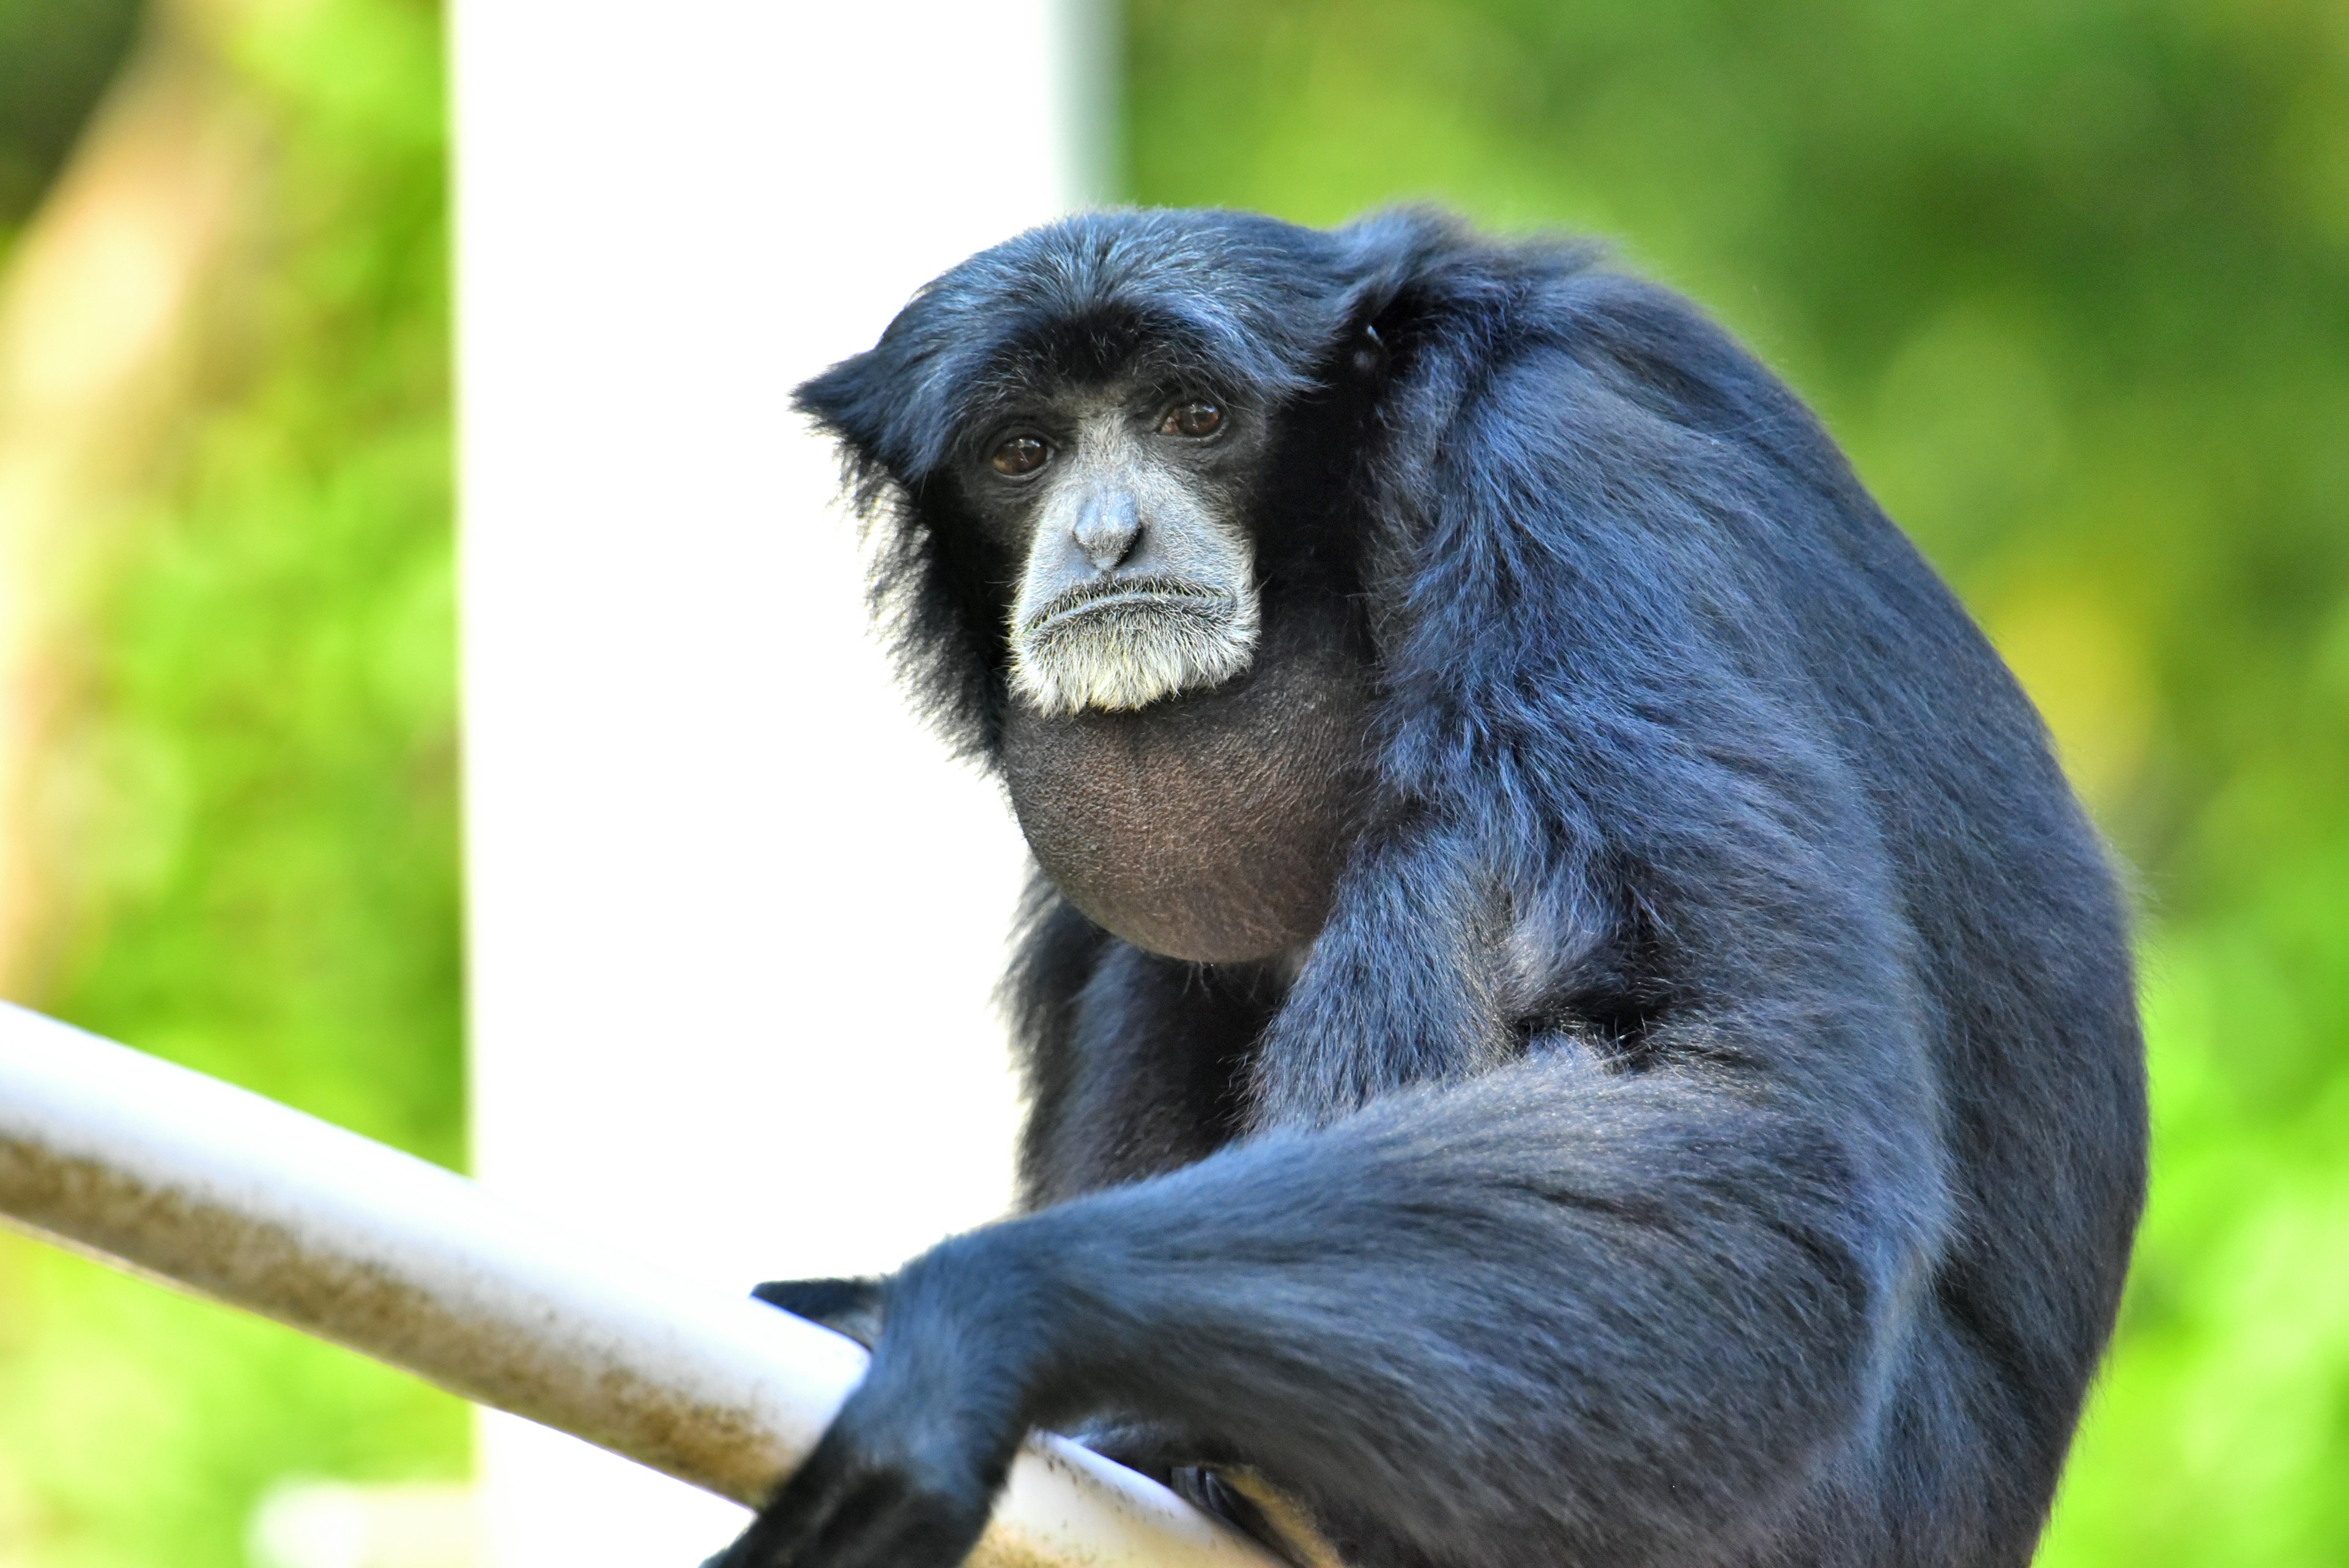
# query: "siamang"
{"points": [[1569, 1015]]}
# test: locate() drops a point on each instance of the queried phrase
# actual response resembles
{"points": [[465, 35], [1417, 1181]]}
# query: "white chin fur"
{"points": [[1127, 660]]}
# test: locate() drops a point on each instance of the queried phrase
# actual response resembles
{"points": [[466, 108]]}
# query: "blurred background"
{"points": [[2070, 282]]}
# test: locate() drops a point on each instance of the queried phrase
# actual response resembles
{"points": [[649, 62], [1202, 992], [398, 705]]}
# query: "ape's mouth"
{"points": [[1124, 645], [1137, 597]]}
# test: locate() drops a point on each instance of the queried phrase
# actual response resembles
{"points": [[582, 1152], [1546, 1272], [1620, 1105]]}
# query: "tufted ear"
{"points": [[847, 401], [874, 405], [1383, 254]]}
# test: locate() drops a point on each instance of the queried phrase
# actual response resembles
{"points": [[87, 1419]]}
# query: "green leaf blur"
{"points": [[2071, 282], [257, 776]]}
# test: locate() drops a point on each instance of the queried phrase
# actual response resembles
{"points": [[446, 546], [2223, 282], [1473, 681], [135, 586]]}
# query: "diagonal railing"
{"points": [[200, 1185]]}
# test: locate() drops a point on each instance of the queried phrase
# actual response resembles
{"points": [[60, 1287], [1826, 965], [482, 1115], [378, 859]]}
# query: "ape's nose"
{"points": [[1107, 528]]}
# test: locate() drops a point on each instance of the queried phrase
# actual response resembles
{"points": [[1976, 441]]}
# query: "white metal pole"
{"points": [[201, 1184]]}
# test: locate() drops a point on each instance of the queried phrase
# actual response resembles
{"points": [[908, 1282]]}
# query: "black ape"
{"points": [[1573, 1019]]}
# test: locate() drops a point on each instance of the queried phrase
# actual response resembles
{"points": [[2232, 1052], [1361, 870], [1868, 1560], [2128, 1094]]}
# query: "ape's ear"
{"points": [[1383, 254], [852, 403], [1390, 258], [890, 408], [1387, 254]]}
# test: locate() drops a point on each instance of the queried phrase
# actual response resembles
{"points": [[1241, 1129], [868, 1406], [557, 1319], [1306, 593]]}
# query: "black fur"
{"points": [[1710, 1126]]}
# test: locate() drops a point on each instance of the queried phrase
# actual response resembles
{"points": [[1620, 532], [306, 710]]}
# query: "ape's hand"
{"points": [[907, 1472], [892, 1485]]}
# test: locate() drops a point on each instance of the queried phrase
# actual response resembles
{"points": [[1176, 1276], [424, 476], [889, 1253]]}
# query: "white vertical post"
{"points": [[735, 922]]}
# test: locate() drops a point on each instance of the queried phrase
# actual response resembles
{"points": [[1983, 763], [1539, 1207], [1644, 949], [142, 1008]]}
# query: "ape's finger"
{"points": [[817, 1298], [849, 1306], [889, 1526], [766, 1543], [856, 1517], [789, 1528]]}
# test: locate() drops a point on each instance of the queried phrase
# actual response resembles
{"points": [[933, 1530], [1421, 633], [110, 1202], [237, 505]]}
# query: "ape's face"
{"points": [[1125, 506]]}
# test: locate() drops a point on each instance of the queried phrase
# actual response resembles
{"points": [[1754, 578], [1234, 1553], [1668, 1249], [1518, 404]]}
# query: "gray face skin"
{"points": [[1138, 579]]}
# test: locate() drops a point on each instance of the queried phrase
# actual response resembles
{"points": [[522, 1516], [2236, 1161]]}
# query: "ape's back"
{"points": [[2021, 945]]}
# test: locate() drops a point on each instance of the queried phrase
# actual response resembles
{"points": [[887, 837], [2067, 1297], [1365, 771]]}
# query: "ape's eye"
{"points": [[1020, 454], [1193, 419]]}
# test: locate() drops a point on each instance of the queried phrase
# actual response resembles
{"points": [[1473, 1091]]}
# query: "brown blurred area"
{"points": [[110, 313]]}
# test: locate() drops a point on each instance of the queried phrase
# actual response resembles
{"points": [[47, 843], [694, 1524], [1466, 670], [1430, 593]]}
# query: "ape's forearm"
{"points": [[1624, 1316]]}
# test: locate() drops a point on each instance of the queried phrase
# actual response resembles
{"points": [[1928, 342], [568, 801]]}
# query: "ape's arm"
{"points": [[1622, 1313]]}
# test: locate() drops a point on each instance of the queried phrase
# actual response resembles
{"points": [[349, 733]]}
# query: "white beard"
{"points": [[1123, 657]]}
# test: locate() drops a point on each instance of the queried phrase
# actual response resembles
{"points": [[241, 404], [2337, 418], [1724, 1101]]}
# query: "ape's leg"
{"points": [[1136, 1064]]}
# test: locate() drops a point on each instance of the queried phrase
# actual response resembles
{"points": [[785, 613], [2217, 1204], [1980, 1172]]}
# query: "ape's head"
{"points": [[1084, 417], [1119, 465]]}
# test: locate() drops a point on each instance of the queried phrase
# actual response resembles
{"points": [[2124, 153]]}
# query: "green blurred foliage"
{"points": [[2071, 282], [260, 767], [272, 731]]}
